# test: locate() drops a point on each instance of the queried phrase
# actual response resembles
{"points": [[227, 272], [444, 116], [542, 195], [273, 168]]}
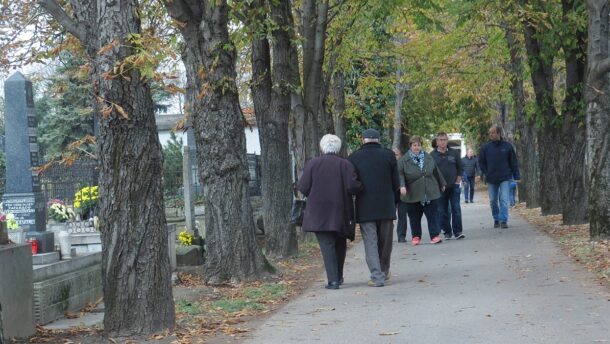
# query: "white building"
{"points": [[456, 141], [165, 124]]}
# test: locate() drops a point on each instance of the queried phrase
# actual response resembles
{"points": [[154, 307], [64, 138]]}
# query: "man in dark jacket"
{"points": [[471, 168], [375, 210], [498, 162], [450, 164]]}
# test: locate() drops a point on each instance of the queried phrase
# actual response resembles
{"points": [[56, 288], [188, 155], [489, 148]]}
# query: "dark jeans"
{"points": [[450, 223], [416, 210], [401, 226], [333, 249], [468, 188]]}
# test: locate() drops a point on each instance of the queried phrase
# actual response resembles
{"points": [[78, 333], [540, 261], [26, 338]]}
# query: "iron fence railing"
{"points": [[64, 181]]}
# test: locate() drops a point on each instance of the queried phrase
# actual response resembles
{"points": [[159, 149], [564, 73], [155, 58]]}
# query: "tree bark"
{"points": [[283, 242], [232, 254], [572, 133], [542, 80], [135, 260], [338, 92], [314, 23], [397, 132], [272, 106], [598, 119], [525, 129]]}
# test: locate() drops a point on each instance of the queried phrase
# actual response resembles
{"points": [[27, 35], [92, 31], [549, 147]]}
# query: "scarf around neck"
{"points": [[417, 159]]}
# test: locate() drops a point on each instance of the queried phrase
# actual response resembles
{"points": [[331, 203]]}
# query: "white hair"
{"points": [[330, 144]]}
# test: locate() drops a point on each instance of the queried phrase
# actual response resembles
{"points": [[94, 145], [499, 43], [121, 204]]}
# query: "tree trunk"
{"points": [[572, 135], [272, 108], [397, 133], [338, 92], [525, 128], [135, 260], [314, 35], [232, 254], [284, 243], [548, 141], [598, 120]]}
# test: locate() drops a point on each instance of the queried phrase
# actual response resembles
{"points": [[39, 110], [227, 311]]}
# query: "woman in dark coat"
{"points": [[329, 182]]}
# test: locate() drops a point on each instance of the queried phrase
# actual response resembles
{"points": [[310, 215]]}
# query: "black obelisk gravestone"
{"points": [[23, 196]]}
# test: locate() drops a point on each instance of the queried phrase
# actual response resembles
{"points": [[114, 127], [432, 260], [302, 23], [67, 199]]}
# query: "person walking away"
{"points": [[375, 209], [498, 162], [450, 165], [471, 167], [421, 184], [401, 208], [329, 182]]}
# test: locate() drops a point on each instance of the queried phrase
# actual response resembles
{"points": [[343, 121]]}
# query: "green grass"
{"points": [[188, 307], [237, 305], [253, 298]]}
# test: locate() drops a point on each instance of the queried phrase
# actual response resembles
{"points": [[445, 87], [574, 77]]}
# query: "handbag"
{"points": [[297, 212]]}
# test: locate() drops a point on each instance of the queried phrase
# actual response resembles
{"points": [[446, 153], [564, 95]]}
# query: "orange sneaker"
{"points": [[436, 240], [415, 241]]}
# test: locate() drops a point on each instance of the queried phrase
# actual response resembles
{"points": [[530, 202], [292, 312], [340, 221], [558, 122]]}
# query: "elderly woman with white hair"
{"points": [[329, 181]]}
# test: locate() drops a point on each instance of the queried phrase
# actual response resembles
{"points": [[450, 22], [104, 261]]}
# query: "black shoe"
{"points": [[471, 201], [402, 240], [341, 281], [496, 224], [503, 225], [332, 285], [460, 236], [447, 236], [465, 201]]}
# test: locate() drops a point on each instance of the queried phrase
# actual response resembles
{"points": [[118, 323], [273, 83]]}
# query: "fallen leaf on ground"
{"points": [[388, 333]]}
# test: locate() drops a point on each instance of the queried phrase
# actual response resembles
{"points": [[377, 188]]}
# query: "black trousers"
{"points": [[333, 249], [401, 226], [416, 210]]}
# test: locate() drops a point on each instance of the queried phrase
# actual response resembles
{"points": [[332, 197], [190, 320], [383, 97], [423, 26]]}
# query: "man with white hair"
{"points": [[375, 209]]}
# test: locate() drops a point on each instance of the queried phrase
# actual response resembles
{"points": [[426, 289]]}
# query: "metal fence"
{"points": [[63, 181]]}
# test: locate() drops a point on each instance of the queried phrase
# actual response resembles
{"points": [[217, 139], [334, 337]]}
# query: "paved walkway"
{"points": [[496, 286]]}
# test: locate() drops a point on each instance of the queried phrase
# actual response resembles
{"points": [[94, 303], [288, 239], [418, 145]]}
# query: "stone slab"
{"points": [[16, 290], [45, 258], [63, 267], [68, 292], [189, 255]]}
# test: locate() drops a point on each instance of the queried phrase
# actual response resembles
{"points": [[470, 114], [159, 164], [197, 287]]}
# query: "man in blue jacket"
{"points": [[498, 162]]}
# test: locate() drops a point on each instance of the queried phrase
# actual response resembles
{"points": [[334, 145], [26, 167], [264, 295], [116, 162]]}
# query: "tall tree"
{"points": [[529, 188], [68, 117], [541, 55], [272, 107], [209, 56], [549, 29], [598, 118], [135, 261]]}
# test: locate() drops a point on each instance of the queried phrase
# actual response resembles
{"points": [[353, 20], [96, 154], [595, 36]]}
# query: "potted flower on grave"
{"points": [[15, 233], [85, 201], [59, 212]]}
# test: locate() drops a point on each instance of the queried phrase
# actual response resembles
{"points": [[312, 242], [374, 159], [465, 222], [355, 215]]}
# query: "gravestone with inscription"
{"points": [[23, 196]]}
